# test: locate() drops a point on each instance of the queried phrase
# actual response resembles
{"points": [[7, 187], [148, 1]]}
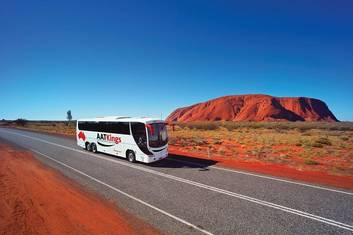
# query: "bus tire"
{"points": [[88, 146], [94, 147], [131, 156]]}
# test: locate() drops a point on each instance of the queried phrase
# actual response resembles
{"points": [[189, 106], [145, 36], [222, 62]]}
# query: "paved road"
{"points": [[182, 196]]}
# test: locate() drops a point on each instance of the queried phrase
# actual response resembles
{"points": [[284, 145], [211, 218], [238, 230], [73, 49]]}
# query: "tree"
{"points": [[69, 115]]}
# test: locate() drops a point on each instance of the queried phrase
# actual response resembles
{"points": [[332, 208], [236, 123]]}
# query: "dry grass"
{"points": [[321, 146], [300, 126], [58, 127], [324, 146]]}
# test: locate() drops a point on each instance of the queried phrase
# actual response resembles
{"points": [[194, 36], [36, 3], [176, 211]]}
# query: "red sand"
{"points": [[255, 108], [37, 200], [274, 170]]}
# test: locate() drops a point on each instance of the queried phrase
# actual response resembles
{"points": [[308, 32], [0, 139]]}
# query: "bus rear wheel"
{"points": [[88, 146], [131, 156], [94, 147]]}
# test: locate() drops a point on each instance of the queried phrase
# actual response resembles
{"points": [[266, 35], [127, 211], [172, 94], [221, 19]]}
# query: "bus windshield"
{"points": [[157, 134]]}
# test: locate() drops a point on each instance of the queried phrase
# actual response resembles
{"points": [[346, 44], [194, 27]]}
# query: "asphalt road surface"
{"points": [[184, 196]]}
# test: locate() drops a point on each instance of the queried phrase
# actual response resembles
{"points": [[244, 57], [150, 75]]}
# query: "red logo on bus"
{"points": [[82, 136]]}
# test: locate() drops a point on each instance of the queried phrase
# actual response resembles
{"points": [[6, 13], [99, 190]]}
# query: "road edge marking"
{"points": [[125, 194], [217, 168], [222, 191], [260, 176]]}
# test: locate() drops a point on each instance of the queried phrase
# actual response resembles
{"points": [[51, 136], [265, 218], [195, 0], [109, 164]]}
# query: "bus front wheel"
{"points": [[131, 156]]}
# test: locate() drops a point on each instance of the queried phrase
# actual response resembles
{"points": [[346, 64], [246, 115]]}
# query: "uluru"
{"points": [[255, 108]]}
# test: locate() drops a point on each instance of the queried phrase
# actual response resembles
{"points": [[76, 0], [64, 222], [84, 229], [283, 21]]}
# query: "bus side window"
{"points": [[124, 128], [80, 125], [139, 133]]}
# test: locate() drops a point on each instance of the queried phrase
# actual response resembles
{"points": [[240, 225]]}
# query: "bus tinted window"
{"points": [[92, 126], [157, 135], [80, 125], [118, 127], [86, 126], [109, 127]]}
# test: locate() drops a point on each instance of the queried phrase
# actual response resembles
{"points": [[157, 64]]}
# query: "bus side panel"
{"points": [[128, 143], [79, 140], [120, 149]]}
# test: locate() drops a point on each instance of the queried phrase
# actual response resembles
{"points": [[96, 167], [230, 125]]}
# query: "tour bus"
{"points": [[137, 139]]}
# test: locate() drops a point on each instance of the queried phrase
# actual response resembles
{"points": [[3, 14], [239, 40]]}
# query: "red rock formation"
{"points": [[255, 108]]}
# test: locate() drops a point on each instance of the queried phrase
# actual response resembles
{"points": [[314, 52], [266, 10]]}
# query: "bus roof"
{"points": [[121, 119]]}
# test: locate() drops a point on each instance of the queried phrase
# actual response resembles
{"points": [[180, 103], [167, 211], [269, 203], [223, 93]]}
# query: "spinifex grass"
{"points": [[301, 144]]}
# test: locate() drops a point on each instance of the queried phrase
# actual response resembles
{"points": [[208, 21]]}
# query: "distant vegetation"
{"points": [[322, 146], [21, 122], [301, 126], [69, 115], [58, 127]]}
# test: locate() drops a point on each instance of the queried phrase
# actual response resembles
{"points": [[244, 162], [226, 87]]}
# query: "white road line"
{"points": [[124, 193], [253, 174], [222, 191], [260, 176]]}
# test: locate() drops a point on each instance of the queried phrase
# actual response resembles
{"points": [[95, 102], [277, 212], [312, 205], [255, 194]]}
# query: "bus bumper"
{"points": [[156, 157]]}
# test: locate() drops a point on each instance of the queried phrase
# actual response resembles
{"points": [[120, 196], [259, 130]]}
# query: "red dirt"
{"points": [[37, 200], [274, 170], [255, 108]]}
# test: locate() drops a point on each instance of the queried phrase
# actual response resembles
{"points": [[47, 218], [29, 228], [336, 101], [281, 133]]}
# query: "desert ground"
{"points": [[310, 151], [35, 199], [326, 147], [183, 194]]}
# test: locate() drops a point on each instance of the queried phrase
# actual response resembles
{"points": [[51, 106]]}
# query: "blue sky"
{"points": [[146, 58]]}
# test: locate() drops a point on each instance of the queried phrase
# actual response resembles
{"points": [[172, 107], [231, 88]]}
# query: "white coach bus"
{"points": [[137, 139]]}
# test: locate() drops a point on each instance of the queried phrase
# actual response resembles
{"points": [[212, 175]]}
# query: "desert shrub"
{"points": [[21, 122], [183, 142], [172, 140], [217, 141], [344, 138], [200, 125], [305, 143], [254, 125], [304, 128], [310, 162], [182, 125], [323, 141], [317, 145], [222, 151], [198, 141], [231, 125], [279, 127]]}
